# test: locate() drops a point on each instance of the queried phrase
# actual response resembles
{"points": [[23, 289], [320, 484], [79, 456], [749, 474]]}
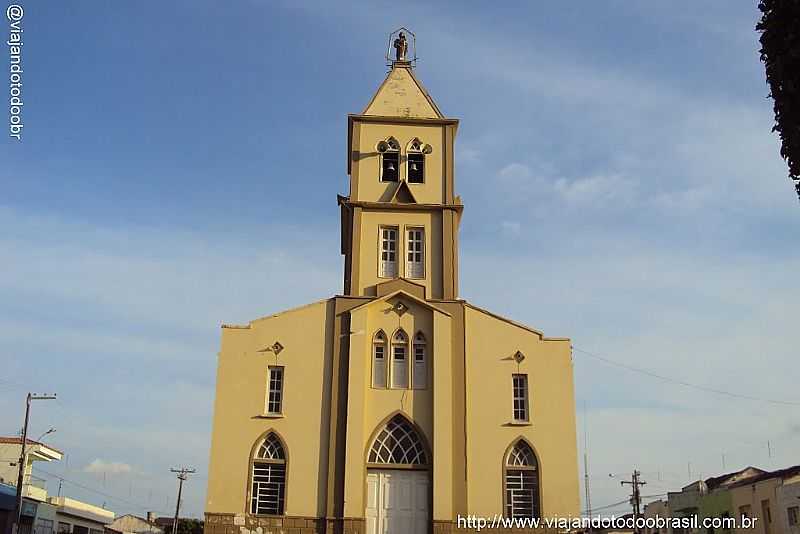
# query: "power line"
{"points": [[683, 383], [98, 492]]}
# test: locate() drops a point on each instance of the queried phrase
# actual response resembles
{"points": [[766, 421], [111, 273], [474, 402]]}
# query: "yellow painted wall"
{"points": [[306, 333], [368, 407], [370, 247], [490, 346], [367, 166]]}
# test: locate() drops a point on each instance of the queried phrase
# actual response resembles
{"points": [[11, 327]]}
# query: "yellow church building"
{"points": [[395, 407]]}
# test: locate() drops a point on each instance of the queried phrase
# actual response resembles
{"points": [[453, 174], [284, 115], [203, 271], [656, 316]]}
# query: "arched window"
{"points": [[389, 151], [269, 477], [522, 481], [419, 378], [398, 443], [400, 359], [379, 360], [416, 151]]}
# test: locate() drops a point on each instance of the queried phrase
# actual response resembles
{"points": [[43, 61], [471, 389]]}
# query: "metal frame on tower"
{"points": [[413, 57]]}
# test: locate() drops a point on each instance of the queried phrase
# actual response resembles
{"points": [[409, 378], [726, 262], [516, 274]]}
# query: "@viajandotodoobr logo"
{"points": [[14, 14]]}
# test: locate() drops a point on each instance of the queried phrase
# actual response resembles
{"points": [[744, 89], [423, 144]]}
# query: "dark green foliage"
{"points": [[780, 52], [186, 526]]}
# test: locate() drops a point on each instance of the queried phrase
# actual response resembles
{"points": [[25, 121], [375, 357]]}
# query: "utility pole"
{"points": [[636, 496], [23, 456], [586, 464], [183, 474]]}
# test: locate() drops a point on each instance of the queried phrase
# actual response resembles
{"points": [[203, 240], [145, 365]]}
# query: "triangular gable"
{"points": [[403, 194], [400, 292], [402, 95]]}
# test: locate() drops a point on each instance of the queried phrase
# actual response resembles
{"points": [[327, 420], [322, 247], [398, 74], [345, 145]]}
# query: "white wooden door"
{"points": [[397, 502]]}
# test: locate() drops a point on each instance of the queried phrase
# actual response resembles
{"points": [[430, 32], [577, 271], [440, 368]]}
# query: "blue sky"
{"points": [[179, 167]]}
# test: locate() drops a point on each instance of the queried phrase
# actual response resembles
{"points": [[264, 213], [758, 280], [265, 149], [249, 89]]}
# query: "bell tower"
{"points": [[401, 217]]}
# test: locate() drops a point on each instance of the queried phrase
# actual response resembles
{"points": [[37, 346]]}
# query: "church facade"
{"points": [[395, 407]]}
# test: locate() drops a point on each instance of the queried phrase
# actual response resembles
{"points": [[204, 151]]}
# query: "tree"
{"points": [[186, 526], [780, 52]]}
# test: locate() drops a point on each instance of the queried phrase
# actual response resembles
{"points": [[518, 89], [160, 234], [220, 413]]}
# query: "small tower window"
{"points": [[379, 360], [420, 376], [416, 161], [415, 252], [388, 263], [389, 151], [400, 360]]}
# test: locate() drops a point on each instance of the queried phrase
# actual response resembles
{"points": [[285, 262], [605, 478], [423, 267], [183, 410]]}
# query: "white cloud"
{"points": [[597, 190], [101, 467], [512, 228]]}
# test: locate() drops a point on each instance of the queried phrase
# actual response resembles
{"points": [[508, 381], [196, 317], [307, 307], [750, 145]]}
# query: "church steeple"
{"points": [[401, 217]]}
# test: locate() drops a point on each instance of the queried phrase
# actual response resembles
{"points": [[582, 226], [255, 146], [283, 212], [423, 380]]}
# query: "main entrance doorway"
{"points": [[397, 502], [398, 481]]}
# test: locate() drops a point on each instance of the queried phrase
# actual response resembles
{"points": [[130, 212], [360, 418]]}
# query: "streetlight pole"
{"points": [[23, 456]]}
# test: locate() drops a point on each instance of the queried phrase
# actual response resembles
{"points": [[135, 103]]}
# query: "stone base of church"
{"points": [[451, 527], [246, 524]]}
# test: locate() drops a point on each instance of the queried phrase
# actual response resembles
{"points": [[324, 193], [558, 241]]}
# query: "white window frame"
{"points": [[268, 479], [521, 483], [394, 148], [415, 147], [520, 398], [415, 252], [419, 375], [399, 367], [276, 377], [379, 368], [387, 268]]}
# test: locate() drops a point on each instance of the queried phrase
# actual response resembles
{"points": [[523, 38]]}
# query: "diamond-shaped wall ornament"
{"points": [[518, 357], [400, 308], [275, 348]]}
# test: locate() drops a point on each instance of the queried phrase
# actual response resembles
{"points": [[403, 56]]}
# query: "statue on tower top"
{"points": [[400, 47]]}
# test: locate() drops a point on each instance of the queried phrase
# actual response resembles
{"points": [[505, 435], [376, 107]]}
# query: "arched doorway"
{"points": [[398, 480]]}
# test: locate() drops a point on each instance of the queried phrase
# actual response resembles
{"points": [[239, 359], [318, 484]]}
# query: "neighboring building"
{"points": [[787, 496], [132, 524], [76, 517], [767, 497], [709, 497], [37, 515], [659, 508], [42, 514], [397, 405], [8, 497]]}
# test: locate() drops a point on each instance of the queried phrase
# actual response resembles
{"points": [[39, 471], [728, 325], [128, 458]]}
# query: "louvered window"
{"points": [[388, 262], [415, 253], [400, 360], [379, 360], [420, 370]]}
